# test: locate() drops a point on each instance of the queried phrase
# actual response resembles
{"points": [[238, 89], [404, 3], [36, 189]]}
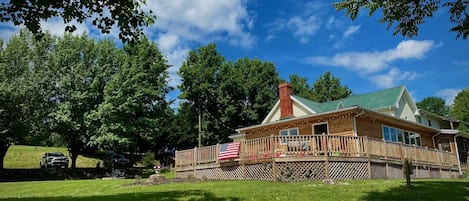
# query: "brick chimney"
{"points": [[286, 103]]}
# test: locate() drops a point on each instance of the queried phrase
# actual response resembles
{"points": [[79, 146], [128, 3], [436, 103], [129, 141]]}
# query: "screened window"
{"points": [[444, 145], [320, 129], [397, 135]]}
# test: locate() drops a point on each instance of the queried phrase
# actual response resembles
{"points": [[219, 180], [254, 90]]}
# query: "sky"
{"points": [[306, 38]]}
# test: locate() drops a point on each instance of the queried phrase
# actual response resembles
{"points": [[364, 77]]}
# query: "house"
{"points": [[362, 136], [389, 114]]}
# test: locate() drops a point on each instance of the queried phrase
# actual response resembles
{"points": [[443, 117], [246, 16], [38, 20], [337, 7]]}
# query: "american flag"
{"points": [[229, 151]]}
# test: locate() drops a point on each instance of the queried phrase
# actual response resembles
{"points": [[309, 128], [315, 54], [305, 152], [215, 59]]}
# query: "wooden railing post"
{"points": [[366, 149], [217, 153], [326, 155], [274, 164], [194, 162]]}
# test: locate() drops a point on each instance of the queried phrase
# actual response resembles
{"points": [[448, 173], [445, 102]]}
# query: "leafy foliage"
{"points": [[228, 95], [410, 14], [134, 105], [301, 87], [460, 109], [127, 15], [325, 88], [328, 88], [435, 105], [22, 106]]}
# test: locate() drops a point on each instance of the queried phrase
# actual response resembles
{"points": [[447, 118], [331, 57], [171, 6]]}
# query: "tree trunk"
{"points": [[407, 180], [3, 151], [73, 157]]}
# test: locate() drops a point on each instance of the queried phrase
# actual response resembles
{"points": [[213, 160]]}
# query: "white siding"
{"points": [[434, 122], [405, 111], [274, 116], [298, 111]]}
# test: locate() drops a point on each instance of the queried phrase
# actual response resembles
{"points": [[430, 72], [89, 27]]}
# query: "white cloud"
{"points": [[204, 20], [302, 27], [181, 23], [448, 95], [370, 62], [351, 30], [392, 77], [167, 42], [55, 26], [175, 58]]}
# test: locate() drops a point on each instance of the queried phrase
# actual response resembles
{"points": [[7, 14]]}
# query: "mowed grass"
{"points": [[21, 156], [117, 190]]}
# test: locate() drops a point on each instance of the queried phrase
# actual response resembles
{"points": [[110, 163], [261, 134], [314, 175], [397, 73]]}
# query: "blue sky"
{"points": [[307, 38]]}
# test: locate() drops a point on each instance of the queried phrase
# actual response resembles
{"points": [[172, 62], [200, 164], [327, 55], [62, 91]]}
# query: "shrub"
{"points": [[149, 160]]}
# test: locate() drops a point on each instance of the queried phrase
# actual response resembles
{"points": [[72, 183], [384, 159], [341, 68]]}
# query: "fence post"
{"points": [[274, 165], [326, 154], [195, 162], [385, 147], [175, 163], [217, 153], [366, 144]]}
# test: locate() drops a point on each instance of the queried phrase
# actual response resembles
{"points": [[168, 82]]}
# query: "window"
{"points": [[443, 144], [287, 132], [319, 129], [419, 120], [430, 123], [397, 135]]}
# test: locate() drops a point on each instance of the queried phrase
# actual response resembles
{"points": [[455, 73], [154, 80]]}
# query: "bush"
{"points": [[149, 160]]}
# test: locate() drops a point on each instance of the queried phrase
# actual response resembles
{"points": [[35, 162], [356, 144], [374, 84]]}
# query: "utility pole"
{"points": [[200, 129]]}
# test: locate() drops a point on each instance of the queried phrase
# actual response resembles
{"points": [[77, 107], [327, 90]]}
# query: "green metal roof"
{"points": [[372, 101]]}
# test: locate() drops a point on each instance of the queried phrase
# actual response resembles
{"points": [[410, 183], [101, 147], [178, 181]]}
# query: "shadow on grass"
{"points": [[192, 195], [423, 190]]}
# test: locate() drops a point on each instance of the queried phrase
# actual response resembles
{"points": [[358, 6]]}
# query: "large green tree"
{"points": [[408, 15], [301, 87], [22, 104], [135, 106], [199, 85], [128, 15], [227, 95], [247, 91], [79, 76], [13, 111], [460, 109], [435, 105], [328, 88]]}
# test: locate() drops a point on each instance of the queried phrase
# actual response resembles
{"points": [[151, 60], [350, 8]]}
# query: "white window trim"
{"points": [[288, 129], [327, 124], [420, 136]]}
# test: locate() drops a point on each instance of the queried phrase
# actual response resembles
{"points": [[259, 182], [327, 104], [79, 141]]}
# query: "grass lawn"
{"points": [[116, 190], [21, 156]]}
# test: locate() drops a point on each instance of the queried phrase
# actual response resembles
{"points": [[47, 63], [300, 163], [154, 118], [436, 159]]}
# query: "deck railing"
{"points": [[318, 146]]}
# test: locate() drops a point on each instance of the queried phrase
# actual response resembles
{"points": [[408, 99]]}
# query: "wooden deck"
{"points": [[314, 147], [369, 158]]}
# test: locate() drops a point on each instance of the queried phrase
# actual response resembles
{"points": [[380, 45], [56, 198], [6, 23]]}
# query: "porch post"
{"points": [[367, 152], [274, 165], [194, 166], [457, 153], [326, 154]]}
